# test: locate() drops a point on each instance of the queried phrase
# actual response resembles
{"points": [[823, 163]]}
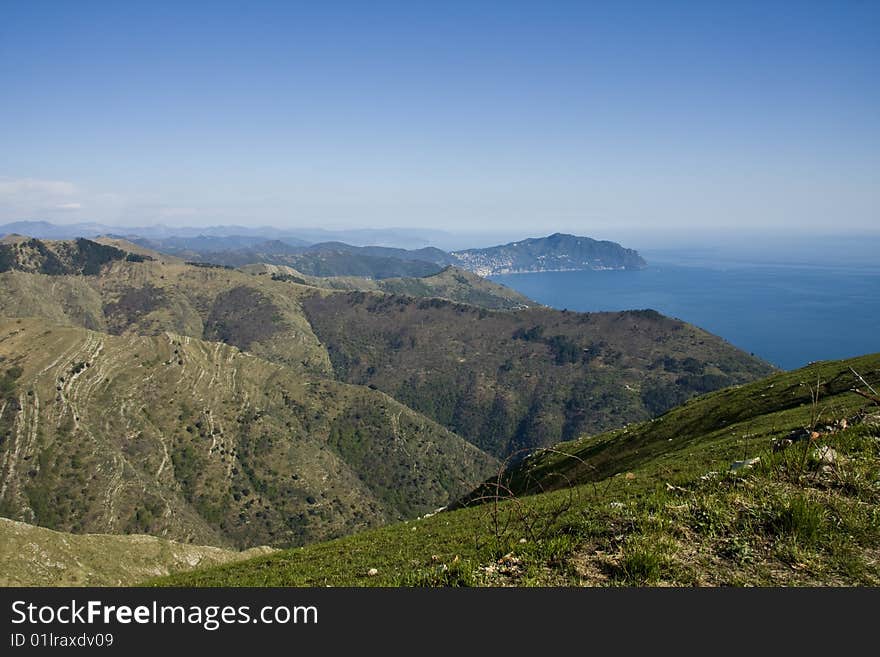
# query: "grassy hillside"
{"points": [[730, 424], [200, 442], [34, 556], [147, 298], [450, 283], [667, 502], [509, 380]]}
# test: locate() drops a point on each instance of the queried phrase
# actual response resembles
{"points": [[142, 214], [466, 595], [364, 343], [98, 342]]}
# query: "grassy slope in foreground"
{"points": [[35, 556], [675, 516]]}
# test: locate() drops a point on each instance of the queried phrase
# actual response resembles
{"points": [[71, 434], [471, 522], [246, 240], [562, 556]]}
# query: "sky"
{"points": [[600, 118]]}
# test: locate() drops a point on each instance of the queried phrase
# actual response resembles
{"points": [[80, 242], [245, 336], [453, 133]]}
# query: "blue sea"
{"points": [[788, 315]]}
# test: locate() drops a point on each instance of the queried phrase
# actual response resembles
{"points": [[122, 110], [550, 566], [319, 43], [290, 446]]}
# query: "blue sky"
{"points": [[597, 118]]}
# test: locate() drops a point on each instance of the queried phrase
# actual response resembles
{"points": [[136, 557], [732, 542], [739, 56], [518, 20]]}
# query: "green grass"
{"points": [[731, 424], [676, 516], [800, 518]]}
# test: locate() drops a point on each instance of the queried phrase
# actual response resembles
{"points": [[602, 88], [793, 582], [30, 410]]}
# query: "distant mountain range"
{"points": [[401, 237], [557, 252], [336, 258]]}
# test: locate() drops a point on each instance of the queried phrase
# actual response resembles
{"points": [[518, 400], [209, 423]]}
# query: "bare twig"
{"points": [[814, 420], [536, 525], [868, 385]]}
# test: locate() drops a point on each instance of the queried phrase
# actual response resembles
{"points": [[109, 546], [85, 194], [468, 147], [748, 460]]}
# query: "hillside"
{"points": [[557, 252], [534, 377], [249, 409], [319, 262], [34, 556], [200, 442], [151, 297], [130, 247], [504, 381], [190, 247], [320, 259], [712, 494], [727, 424], [80, 256], [450, 283], [426, 254]]}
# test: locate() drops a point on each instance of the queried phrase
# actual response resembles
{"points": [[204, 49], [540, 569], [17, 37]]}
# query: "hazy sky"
{"points": [[595, 118]]}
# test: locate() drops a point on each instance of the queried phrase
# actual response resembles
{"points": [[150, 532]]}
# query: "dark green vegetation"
{"points": [[132, 306], [341, 263], [80, 256], [730, 424], [555, 252], [427, 254], [193, 246], [202, 443], [242, 316], [507, 381], [663, 502]]}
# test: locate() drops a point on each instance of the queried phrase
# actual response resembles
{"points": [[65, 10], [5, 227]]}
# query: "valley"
{"points": [[234, 408]]}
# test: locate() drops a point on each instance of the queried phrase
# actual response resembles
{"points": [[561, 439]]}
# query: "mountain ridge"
{"points": [[334, 257]]}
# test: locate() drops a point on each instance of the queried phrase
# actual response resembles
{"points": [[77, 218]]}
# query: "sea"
{"points": [[789, 314]]}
